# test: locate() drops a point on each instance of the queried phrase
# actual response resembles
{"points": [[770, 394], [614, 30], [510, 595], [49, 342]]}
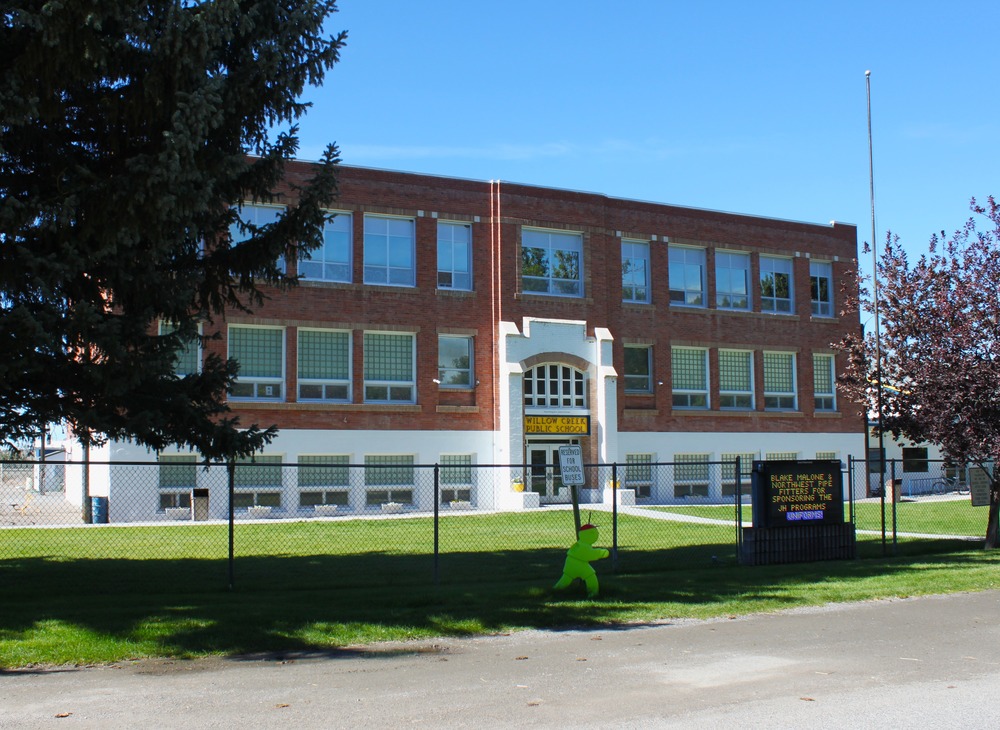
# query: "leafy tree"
{"points": [[128, 132], [940, 347]]}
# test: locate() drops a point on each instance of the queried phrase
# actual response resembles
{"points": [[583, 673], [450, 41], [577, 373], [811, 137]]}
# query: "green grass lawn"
{"points": [[945, 517], [109, 594], [950, 517], [710, 511]]}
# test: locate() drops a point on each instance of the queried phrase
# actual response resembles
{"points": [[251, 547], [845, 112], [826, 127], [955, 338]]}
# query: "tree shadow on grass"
{"points": [[318, 603]]}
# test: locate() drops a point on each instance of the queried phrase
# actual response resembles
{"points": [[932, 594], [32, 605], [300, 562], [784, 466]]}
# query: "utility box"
{"points": [[199, 504]]}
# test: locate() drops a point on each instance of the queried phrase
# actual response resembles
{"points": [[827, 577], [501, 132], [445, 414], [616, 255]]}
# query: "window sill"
{"points": [[457, 409], [687, 309], [342, 407], [400, 407], [455, 293], [718, 413], [327, 283], [545, 297], [393, 288], [787, 315]]}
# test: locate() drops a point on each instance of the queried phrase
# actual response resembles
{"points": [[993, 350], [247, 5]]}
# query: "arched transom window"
{"points": [[554, 386]]}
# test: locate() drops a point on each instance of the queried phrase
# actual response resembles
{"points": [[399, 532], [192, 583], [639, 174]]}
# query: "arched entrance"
{"points": [[555, 414]]}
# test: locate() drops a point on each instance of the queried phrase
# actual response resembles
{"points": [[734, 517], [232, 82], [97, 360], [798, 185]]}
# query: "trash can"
{"points": [[99, 510], [199, 504]]}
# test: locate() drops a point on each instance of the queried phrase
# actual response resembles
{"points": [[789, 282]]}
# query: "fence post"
{"points": [[231, 479], [885, 550], [738, 481], [850, 488], [41, 458], [88, 513], [893, 482], [437, 525], [614, 517]]}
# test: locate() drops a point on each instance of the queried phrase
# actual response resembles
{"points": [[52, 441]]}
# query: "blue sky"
{"points": [[750, 107]]}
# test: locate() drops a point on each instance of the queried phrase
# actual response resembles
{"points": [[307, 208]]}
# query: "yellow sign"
{"points": [[557, 425]]}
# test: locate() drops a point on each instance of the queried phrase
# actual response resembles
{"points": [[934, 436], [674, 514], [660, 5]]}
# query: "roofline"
{"points": [[642, 201]]}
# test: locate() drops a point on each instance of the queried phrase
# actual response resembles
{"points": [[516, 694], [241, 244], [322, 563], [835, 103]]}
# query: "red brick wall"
{"points": [[428, 311]]}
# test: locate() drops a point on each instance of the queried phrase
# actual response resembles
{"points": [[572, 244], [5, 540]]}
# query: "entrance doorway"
{"points": [[544, 472]]}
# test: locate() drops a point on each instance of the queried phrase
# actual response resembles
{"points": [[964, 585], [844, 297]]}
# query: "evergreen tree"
{"points": [[129, 132]]}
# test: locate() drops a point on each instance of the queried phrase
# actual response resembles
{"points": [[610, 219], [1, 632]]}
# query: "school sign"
{"points": [[798, 514]]}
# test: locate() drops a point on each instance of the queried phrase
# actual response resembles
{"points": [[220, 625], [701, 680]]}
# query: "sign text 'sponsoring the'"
{"points": [[797, 493]]}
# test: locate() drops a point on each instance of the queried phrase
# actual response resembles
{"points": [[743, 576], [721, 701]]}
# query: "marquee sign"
{"points": [[789, 493], [557, 425]]}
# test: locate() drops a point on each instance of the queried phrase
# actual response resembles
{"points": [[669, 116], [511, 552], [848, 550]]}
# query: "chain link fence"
{"points": [[917, 505], [178, 525]]}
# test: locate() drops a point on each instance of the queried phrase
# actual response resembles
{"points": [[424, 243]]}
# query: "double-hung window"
{"points": [[736, 379], [779, 381], [260, 351], [821, 286], [687, 276], [254, 217], [691, 472], [187, 359], [915, 459], [732, 280], [389, 478], [639, 474], [178, 475], [635, 271], [729, 476], [323, 479], [876, 460], [454, 250], [390, 250], [455, 361], [390, 367], [824, 383], [689, 372], [332, 261], [776, 285], [324, 365], [638, 369], [456, 477], [552, 262], [257, 482]]}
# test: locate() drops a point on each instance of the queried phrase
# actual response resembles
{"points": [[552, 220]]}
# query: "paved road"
{"points": [[921, 662]]}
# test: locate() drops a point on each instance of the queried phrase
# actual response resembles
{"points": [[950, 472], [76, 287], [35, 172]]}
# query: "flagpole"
{"points": [[875, 292]]}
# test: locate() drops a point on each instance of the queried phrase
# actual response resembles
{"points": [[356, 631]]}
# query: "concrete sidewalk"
{"points": [[921, 662]]}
